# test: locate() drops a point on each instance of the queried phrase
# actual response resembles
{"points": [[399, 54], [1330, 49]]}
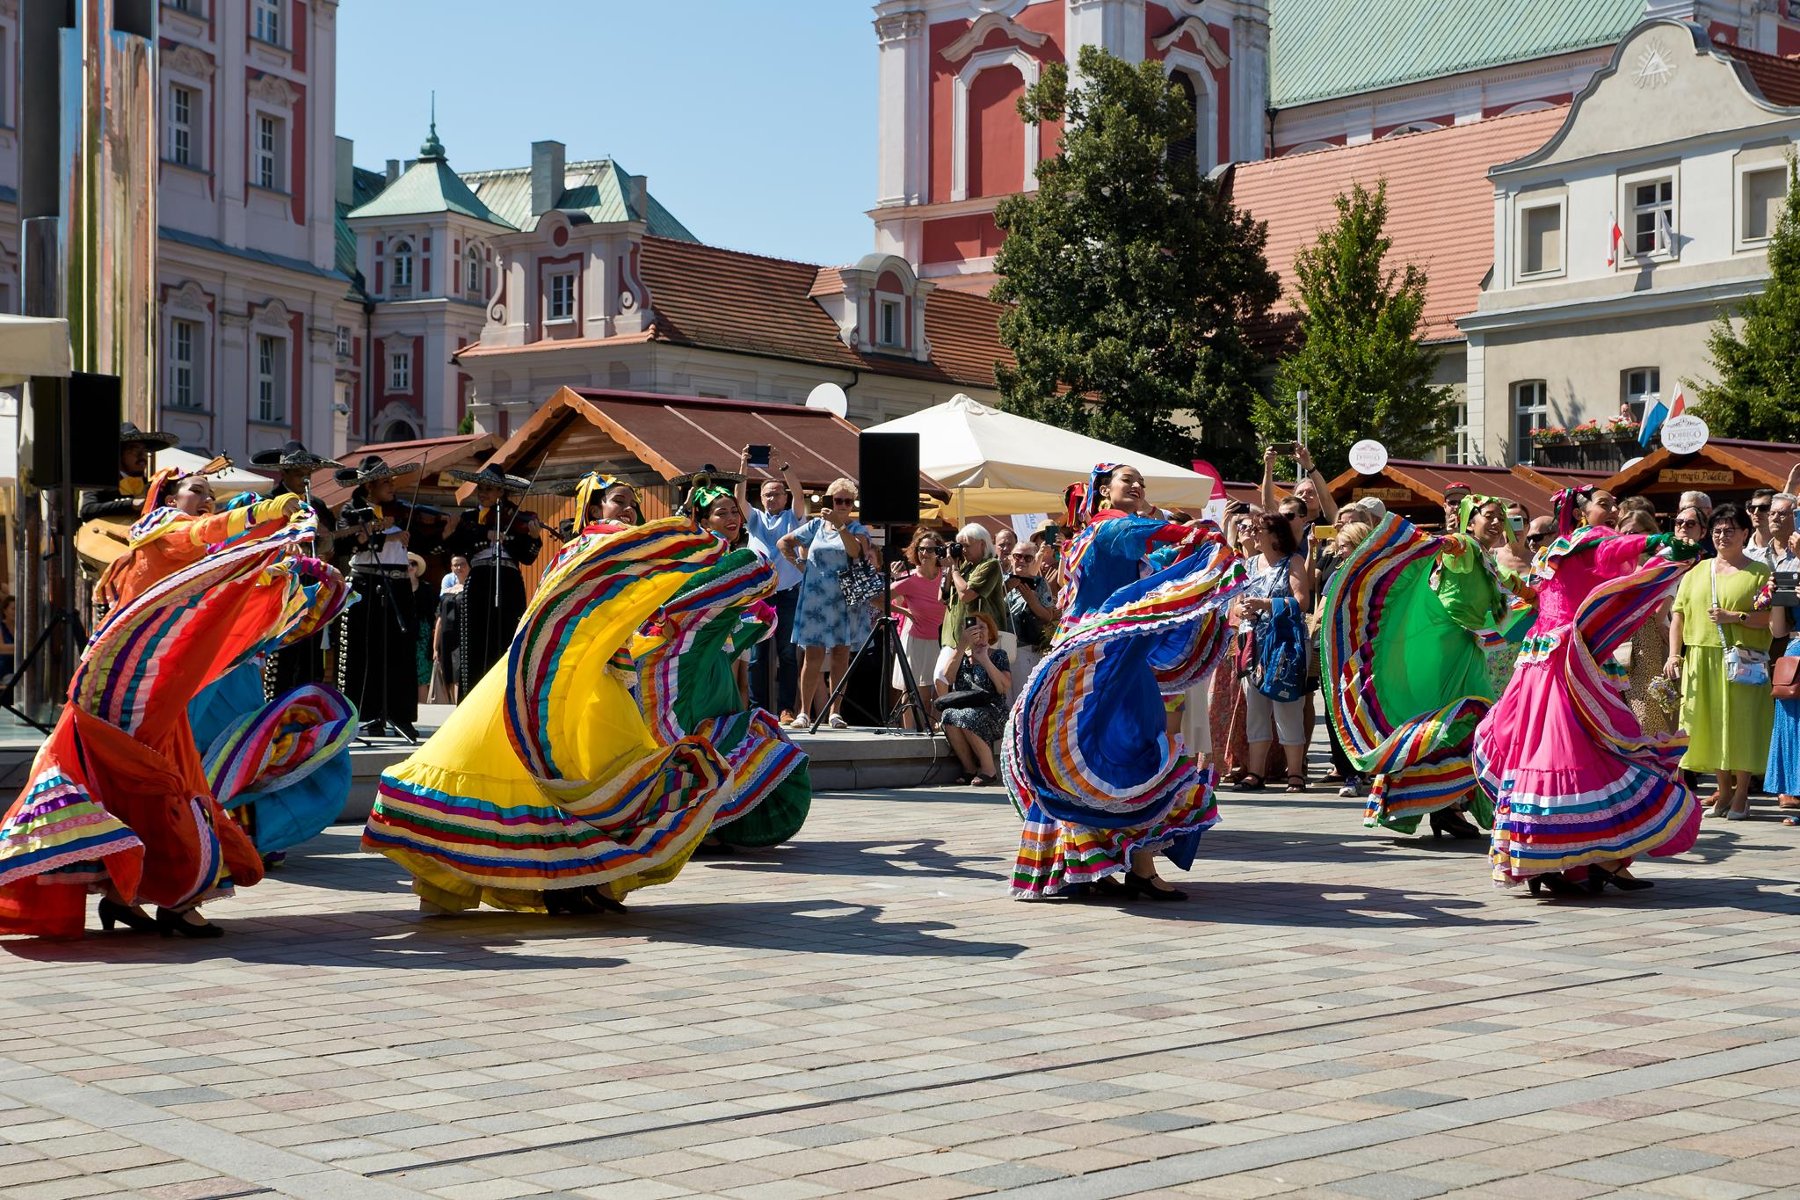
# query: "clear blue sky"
{"points": [[753, 119]]}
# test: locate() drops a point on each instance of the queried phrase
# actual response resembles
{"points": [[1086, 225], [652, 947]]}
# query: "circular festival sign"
{"points": [[1684, 434], [1368, 457]]}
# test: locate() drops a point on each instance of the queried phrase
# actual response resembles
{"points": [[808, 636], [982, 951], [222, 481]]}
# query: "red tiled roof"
{"points": [[1430, 480], [1440, 203], [728, 300], [1778, 79]]}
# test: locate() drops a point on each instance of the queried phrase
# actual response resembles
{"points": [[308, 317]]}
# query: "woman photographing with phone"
{"points": [[972, 693]]}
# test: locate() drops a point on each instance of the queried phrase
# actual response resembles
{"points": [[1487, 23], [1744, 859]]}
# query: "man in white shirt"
{"points": [[782, 509]]}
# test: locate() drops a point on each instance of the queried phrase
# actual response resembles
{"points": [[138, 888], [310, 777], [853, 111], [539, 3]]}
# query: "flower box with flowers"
{"points": [[1587, 431], [1549, 435]]}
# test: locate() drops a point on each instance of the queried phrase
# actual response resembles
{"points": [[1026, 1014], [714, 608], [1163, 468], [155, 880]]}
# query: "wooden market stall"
{"points": [[1416, 489], [1726, 469], [434, 457], [651, 440]]}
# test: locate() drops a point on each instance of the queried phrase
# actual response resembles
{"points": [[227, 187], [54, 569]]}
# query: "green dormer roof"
{"points": [[429, 186], [1323, 49], [597, 188]]}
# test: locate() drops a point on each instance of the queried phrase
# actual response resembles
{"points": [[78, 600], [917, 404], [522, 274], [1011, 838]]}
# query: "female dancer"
{"points": [[691, 681], [119, 800], [1579, 788], [1400, 598], [546, 790], [1088, 756]]}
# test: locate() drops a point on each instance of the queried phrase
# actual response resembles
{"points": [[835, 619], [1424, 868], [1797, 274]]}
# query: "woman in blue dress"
{"points": [[826, 625]]}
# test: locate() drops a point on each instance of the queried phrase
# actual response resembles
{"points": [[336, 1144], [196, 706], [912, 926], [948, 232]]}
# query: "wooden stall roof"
{"points": [[657, 438], [1555, 479], [1724, 468], [1410, 486], [463, 451]]}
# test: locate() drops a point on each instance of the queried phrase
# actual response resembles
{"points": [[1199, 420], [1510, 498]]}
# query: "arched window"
{"points": [[401, 264], [400, 431], [474, 281]]}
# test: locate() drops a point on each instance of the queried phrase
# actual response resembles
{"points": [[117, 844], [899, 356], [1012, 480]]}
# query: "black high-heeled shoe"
{"points": [[1557, 884], [171, 921], [569, 902], [1145, 886], [1447, 822], [112, 912], [1599, 877]]}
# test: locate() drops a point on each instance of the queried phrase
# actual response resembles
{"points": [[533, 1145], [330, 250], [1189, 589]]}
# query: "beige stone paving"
{"points": [[1336, 1013]]}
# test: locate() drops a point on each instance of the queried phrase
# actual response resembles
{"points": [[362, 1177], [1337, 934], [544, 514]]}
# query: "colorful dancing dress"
{"points": [[1574, 778], [119, 794], [1087, 756], [688, 686], [547, 777], [1406, 672]]}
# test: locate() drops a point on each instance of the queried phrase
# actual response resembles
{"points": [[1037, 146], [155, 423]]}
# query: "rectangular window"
{"points": [[472, 283], [181, 126], [889, 331], [1531, 410], [1540, 237], [184, 365], [5, 80], [267, 27], [343, 341], [267, 164], [1764, 194], [400, 371], [1640, 385], [1652, 216], [1458, 450], [271, 378], [562, 298]]}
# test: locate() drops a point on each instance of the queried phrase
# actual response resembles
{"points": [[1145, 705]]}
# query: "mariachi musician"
{"points": [[304, 661], [380, 671], [499, 539], [126, 499]]}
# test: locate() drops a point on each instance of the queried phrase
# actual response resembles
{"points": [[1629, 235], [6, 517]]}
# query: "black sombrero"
{"points": [[491, 476], [370, 469], [292, 456], [131, 435]]}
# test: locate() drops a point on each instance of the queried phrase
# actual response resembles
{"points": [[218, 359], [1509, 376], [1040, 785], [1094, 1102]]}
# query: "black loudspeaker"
{"points": [[94, 407], [887, 467]]}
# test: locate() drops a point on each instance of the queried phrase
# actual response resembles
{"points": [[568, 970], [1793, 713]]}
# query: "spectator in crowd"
{"points": [[1539, 534], [1727, 719], [425, 594], [775, 662], [1699, 500], [972, 685], [1453, 498], [1311, 490], [1690, 526], [918, 599], [974, 583], [446, 631], [1758, 508], [1031, 606], [1781, 774], [826, 625], [1772, 544], [1638, 504], [1005, 542], [1278, 593]]}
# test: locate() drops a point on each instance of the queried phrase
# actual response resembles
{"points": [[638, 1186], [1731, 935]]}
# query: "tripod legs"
{"points": [[884, 639]]}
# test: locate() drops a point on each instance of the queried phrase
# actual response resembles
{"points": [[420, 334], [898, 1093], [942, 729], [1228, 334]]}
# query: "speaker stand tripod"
{"points": [[884, 640], [58, 616]]}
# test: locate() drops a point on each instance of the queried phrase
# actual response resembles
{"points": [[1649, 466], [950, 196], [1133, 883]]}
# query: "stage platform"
{"points": [[843, 760]]}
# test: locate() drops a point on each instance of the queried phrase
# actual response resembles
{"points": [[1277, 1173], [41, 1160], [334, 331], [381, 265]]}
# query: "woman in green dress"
{"points": [[1716, 612]]}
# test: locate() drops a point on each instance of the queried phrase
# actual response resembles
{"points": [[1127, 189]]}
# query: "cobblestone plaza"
{"points": [[1334, 1013]]}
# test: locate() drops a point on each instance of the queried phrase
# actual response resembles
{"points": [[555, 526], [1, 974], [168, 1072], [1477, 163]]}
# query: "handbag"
{"points": [[1743, 665], [967, 698], [860, 582], [1787, 678]]}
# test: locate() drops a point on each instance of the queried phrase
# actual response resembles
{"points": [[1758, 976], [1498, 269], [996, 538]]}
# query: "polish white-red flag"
{"points": [[1618, 235]]}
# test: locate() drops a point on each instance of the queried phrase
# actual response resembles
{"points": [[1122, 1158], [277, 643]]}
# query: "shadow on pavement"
{"points": [[908, 856]]}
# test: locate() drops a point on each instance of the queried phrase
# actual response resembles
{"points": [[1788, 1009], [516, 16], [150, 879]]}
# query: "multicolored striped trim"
{"points": [[56, 825], [281, 744]]}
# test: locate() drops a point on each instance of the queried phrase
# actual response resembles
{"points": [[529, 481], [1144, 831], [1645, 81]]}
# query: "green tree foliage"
{"points": [[1757, 393], [1360, 358], [1130, 280], [467, 424]]}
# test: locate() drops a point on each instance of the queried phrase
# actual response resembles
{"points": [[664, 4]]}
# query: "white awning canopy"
{"points": [[225, 483], [32, 346], [1000, 464]]}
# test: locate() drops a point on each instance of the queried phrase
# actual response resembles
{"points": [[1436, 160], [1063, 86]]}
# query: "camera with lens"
{"points": [[956, 552]]}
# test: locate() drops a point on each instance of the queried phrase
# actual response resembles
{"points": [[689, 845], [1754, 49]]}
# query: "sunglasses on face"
{"points": [[931, 551], [1758, 508], [842, 502], [1535, 538]]}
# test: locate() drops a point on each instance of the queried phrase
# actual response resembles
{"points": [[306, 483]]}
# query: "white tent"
{"points": [[1000, 464], [225, 483], [32, 346]]}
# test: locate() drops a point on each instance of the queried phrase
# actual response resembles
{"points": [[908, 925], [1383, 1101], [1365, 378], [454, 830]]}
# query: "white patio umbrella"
{"points": [[228, 482], [999, 464], [32, 346]]}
